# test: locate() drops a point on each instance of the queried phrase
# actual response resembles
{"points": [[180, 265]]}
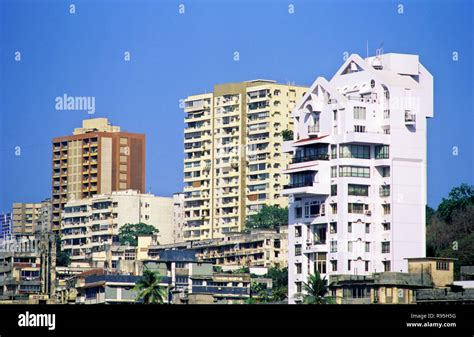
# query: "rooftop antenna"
{"points": [[379, 51], [367, 48]]}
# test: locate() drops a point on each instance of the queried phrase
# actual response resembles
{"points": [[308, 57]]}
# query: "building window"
{"points": [[386, 113], [298, 212], [354, 151], [314, 209], [386, 266], [299, 287], [349, 227], [358, 190], [349, 246], [366, 265], [298, 268], [367, 228], [386, 209], [333, 171], [367, 247], [333, 246], [297, 231], [442, 265], [386, 171], [333, 151], [385, 247], [334, 208], [297, 250], [334, 265], [333, 190], [348, 264], [354, 171], [359, 112], [333, 228], [320, 264], [381, 152], [359, 128], [356, 208], [384, 190], [386, 226], [302, 179]]}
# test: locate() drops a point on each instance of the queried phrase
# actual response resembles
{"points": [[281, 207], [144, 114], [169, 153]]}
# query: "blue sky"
{"points": [[174, 55]]}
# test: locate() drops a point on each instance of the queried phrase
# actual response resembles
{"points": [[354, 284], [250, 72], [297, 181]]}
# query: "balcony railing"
{"points": [[307, 183], [301, 159]]}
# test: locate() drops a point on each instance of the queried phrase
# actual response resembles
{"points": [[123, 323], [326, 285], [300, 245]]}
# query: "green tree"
{"points": [[316, 290], [149, 289], [269, 217], [279, 278], [259, 293], [129, 232], [62, 259], [458, 199], [287, 135], [450, 229]]}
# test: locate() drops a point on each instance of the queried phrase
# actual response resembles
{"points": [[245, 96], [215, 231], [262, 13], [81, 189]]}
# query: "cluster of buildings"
{"points": [[347, 156]]}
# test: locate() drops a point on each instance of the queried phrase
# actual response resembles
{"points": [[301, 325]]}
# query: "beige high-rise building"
{"points": [[97, 159], [25, 217], [233, 154]]}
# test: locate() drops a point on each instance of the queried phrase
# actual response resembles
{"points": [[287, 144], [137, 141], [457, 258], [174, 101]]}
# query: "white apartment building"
{"points": [[357, 189], [91, 224], [178, 217]]}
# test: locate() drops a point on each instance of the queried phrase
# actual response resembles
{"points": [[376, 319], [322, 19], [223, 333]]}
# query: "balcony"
{"points": [[410, 119], [316, 246], [313, 130], [306, 188], [302, 159]]}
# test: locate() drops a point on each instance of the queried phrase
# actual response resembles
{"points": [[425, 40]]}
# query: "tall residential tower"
{"points": [[97, 159], [358, 174], [233, 154]]}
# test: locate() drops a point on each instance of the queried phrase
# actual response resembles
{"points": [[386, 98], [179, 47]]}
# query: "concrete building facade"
{"points": [[358, 174], [233, 154], [178, 217], [97, 159], [92, 224]]}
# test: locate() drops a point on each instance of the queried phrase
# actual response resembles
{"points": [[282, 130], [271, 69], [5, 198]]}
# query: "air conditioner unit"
{"points": [[368, 212]]}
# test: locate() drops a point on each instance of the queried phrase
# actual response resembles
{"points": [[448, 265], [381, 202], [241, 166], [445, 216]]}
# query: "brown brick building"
{"points": [[98, 158]]}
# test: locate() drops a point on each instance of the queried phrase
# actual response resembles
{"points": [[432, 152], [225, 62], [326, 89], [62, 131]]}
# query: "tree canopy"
{"points": [[128, 233], [149, 289], [269, 217], [450, 228], [316, 290]]}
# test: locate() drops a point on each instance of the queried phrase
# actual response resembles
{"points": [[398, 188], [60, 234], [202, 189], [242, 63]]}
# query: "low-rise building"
{"points": [[423, 276], [27, 269], [383, 288], [92, 224], [259, 248], [109, 289]]}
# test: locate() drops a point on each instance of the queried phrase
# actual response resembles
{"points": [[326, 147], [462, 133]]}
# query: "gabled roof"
{"points": [[323, 83]]}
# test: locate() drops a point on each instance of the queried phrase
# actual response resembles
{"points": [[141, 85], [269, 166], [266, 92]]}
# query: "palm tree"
{"points": [[149, 289], [316, 290]]}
